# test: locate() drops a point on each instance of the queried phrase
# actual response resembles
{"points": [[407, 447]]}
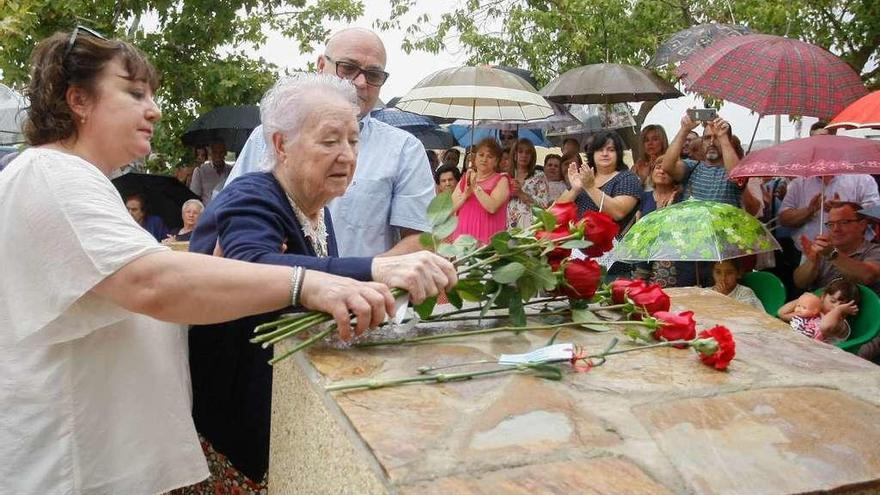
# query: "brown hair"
{"points": [[492, 145], [56, 66], [848, 290], [568, 158], [644, 134], [522, 142]]}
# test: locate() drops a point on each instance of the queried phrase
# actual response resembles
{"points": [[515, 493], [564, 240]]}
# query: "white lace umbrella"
{"points": [[476, 93], [13, 110]]}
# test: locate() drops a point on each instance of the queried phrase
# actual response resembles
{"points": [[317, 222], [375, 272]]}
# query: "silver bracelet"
{"points": [[296, 283]]}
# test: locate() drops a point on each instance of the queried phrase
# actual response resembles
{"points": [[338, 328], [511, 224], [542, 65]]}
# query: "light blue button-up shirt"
{"points": [[391, 188]]}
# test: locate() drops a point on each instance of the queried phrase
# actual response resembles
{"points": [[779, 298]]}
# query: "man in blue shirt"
{"points": [[708, 179], [384, 209]]}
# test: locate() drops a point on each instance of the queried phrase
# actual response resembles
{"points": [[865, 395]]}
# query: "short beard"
{"points": [[713, 156]]}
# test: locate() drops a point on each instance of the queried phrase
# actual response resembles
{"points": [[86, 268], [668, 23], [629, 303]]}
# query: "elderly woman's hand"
{"points": [[423, 274], [370, 302]]}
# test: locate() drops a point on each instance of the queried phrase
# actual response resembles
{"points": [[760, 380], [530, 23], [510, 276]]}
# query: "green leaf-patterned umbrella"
{"points": [[695, 230]]}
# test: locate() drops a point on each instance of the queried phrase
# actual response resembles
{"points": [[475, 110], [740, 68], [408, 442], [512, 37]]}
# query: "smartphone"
{"points": [[702, 114]]}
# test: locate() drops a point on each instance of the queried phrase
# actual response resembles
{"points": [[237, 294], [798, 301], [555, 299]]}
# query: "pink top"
{"points": [[474, 220]]}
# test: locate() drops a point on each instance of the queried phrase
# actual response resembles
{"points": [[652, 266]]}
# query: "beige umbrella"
{"points": [[476, 93], [608, 83]]}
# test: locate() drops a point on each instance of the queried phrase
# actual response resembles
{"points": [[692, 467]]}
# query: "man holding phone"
{"points": [[709, 178]]}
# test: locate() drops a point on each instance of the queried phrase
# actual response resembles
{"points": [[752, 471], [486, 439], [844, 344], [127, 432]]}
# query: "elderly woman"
{"points": [[93, 360], [279, 217], [546, 187], [654, 143], [189, 212], [524, 185]]}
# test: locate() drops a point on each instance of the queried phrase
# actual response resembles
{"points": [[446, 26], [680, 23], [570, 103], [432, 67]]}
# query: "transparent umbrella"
{"points": [[13, 110], [695, 230]]}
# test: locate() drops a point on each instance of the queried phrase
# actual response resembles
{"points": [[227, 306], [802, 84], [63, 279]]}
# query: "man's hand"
{"points": [[816, 249], [688, 123], [422, 274], [719, 128], [815, 204]]}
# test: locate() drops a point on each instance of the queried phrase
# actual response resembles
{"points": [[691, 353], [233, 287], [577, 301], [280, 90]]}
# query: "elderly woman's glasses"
{"points": [[350, 71], [73, 34]]}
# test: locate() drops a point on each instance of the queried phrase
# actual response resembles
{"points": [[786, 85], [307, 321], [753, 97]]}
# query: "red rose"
{"points": [[675, 326], [556, 257], [621, 286], [716, 347], [600, 230], [650, 297], [565, 213], [582, 278]]}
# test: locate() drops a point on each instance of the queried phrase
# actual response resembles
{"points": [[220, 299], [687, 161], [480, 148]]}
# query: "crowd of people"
{"points": [[107, 331]]}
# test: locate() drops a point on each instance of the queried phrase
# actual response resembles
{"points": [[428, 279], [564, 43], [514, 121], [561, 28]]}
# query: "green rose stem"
{"points": [[516, 250], [452, 335], [480, 308], [440, 378], [501, 316], [305, 343]]}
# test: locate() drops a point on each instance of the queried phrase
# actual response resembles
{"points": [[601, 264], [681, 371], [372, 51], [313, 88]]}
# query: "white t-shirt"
{"points": [[94, 399]]}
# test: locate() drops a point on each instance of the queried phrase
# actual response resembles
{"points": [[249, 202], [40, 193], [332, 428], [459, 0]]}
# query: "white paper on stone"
{"points": [[555, 352], [577, 254]]}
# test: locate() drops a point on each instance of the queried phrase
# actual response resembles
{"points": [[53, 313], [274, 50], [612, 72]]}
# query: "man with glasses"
{"points": [[384, 208], [803, 199], [840, 252]]}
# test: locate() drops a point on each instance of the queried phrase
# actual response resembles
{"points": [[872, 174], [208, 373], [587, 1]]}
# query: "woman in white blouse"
{"points": [[93, 368]]}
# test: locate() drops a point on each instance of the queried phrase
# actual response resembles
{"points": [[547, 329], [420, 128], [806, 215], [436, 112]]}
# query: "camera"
{"points": [[702, 114]]}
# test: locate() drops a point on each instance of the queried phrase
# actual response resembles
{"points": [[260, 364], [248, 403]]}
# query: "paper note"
{"points": [[555, 352]]}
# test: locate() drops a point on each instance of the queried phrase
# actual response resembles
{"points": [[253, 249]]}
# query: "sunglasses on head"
{"points": [[73, 34]]}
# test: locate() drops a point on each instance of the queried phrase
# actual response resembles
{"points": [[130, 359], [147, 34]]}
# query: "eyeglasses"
{"points": [[840, 223], [350, 71], [75, 33]]}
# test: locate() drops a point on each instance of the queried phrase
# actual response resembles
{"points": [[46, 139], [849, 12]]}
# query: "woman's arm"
{"points": [[462, 191], [200, 289], [618, 207], [499, 196]]}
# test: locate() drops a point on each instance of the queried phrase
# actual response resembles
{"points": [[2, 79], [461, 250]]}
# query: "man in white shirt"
{"points": [[384, 209], [211, 174]]}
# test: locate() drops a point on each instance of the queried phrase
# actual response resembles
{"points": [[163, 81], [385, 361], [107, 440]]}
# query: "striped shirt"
{"points": [[710, 183]]}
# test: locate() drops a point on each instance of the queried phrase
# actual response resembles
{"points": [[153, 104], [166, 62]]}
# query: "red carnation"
{"points": [[621, 286], [582, 278], [675, 326], [715, 347], [600, 229], [650, 297]]}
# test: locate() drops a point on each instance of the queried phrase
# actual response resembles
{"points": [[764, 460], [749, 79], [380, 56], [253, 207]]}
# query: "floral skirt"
{"points": [[224, 478]]}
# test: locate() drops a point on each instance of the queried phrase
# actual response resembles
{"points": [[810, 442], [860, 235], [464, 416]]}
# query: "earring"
{"points": [[82, 119]]}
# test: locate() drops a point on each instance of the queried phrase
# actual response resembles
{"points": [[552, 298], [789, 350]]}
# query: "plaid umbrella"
{"points": [[773, 75], [685, 42], [863, 114]]}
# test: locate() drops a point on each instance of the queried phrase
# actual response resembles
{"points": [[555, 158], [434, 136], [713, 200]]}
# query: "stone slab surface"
{"points": [[790, 416]]}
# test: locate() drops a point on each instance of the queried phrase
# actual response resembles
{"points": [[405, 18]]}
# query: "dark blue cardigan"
{"points": [[232, 382]]}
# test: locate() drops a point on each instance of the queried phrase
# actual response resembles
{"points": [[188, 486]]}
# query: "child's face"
{"points": [[725, 275], [831, 301], [808, 306]]}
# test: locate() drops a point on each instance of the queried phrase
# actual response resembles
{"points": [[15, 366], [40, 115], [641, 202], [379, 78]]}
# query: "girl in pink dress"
{"points": [[480, 198]]}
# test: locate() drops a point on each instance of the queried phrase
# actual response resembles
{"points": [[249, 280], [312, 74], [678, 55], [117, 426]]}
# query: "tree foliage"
{"points": [[552, 36], [198, 46]]}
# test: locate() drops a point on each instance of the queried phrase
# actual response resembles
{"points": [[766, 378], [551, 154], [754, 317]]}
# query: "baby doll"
{"points": [[808, 316], [824, 318]]}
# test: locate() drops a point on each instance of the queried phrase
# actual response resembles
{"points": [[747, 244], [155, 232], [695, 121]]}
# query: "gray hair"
{"points": [[286, 105], [193, 202]]}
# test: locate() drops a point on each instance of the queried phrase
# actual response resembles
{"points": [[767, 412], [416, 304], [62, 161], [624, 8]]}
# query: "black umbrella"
{"points": [[525, 74], [682, 44], [163, 194], [434, 139], [231, 125]]}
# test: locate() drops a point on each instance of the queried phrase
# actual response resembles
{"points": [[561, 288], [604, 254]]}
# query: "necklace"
{"points": [[663, 200]]}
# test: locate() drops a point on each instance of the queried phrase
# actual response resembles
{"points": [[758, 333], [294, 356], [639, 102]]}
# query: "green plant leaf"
{"points": [[466, 243], [508, 273], [577, 244], [516, 309], [448, 250], [548, 221], [587, 319], [470, 290], [500, 242], [425, 309], [446, 228], [440, 209], [553, 338], [428, 241], [547, 371], [491, 301], [454, 299]]}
